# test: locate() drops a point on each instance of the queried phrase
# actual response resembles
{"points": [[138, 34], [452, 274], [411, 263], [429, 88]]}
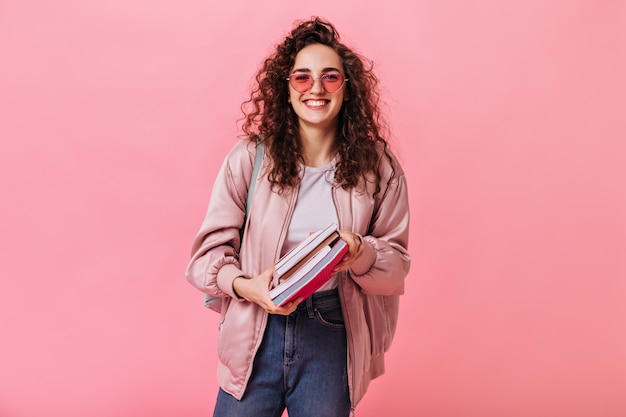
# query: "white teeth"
{"points": [[316, 103]]}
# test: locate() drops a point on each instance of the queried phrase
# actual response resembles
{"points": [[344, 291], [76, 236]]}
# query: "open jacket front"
{"points": [[369, 291]]}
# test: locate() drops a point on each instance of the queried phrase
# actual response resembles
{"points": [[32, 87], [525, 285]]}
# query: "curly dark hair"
{"points": [[268, 117]]}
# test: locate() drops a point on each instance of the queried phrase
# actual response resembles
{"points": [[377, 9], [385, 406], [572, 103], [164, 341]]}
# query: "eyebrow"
{"points": [[327, 69]]}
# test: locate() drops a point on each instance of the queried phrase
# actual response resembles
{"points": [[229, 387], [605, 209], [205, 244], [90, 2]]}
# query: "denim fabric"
{"points": [[301, 365]]}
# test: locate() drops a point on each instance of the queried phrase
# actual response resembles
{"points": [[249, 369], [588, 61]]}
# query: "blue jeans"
{"points": [[301, 365]]}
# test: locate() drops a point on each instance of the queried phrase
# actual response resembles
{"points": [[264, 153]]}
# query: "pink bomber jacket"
{"points": [[369, 291]]}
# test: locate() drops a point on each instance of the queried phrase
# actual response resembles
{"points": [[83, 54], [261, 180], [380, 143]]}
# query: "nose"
{"points": [[317, 86]]}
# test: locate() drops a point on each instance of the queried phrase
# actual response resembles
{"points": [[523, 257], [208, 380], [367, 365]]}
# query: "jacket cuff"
{"points": [[225, 277], [365, 262]]}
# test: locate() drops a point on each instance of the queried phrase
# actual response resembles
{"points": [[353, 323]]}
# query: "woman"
{"points": [[315, 108]]}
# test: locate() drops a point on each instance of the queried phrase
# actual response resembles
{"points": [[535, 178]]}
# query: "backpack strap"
{"points": [[258, 160], [215, 303]]}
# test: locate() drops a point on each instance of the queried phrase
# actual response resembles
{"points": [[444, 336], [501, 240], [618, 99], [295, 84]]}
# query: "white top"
{"points": [[314, 210]]}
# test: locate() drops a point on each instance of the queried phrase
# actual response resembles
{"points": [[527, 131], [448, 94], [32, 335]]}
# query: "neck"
{"points": [[318, 147]]}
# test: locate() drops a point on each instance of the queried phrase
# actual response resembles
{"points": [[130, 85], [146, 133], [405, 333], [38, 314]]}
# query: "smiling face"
{"points": [[317, 108]]}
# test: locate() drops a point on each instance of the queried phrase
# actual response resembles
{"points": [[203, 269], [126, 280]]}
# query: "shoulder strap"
{"points": [[215, 303], [258, 160]]}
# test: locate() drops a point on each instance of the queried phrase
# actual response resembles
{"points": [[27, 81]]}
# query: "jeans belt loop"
{"points": [[309, 307]]}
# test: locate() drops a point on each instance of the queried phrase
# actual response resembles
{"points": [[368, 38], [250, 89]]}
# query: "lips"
{"points": [[315, 104]]}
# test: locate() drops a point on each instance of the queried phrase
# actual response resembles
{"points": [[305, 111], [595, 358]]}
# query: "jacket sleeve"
{"points": [[385, 261], [214, 260]]}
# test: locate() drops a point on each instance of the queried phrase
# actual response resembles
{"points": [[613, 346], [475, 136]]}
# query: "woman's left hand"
{"points": [[355, 246]]}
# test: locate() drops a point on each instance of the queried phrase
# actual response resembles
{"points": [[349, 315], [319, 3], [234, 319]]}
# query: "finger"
{"points": [[341, 267], [285, 310]]}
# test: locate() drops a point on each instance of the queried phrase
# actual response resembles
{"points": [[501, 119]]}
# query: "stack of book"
{"points": [[308, 266]]}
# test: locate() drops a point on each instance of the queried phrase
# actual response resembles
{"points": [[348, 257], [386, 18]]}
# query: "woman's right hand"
{"points": [[255, 290]]}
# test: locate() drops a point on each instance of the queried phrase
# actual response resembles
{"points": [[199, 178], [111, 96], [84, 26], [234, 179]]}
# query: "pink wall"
{"points": [[509, 117]]}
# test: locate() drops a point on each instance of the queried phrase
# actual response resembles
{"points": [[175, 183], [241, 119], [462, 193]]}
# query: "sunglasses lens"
{"points": [[332, 82], [301, 82]]}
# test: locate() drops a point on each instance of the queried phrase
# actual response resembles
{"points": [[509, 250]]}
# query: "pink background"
{"points": [[509, 117]]}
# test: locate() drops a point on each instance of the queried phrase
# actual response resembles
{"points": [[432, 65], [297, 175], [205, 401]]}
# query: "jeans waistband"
{"points": [[321, 299]]}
